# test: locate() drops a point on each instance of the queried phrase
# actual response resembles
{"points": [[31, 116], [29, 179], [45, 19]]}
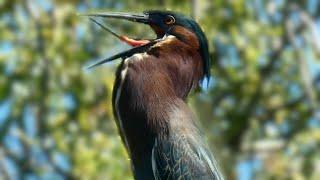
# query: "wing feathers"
{"points": [[181, 158]]}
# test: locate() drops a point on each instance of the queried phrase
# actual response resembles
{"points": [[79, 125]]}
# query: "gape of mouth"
{"points": [[138, 46], [123, 38], [134, 42], [139, 42]]}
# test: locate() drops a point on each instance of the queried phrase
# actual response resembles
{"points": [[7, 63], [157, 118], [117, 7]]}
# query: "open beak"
{"points": [[140, 18], [139, 46]]}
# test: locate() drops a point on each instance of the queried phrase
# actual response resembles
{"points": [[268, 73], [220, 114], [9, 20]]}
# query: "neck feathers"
{"points": [[181, 59]]}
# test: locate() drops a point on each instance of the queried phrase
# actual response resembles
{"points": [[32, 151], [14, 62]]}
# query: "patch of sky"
{"points": [[259, 111], [277, 17], [30, 177], [29, 122], [69, 101], [229, 56], [96, 4], [119, 5], [279, 2], [5, 47], [262, 60], [10, 66], [207, 84], [39, 156], [12, 142], [80, 31], [52, 175], [11, 168], [6, 18], [62, 161], [246, 168], [284, 127], [260, 9], [313, 6], [313, 64], [81, 7], [233, 56], [271, 129], [314, 123], [45, 4], [5, 109], [219, 45], [294, 90], [295, 18], [299, 42]]}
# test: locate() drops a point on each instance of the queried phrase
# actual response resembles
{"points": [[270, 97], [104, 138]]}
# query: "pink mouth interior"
{"points": [[133, 42]]}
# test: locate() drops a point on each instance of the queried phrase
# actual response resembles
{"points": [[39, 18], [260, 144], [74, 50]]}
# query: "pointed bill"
{"points": [[141, 18], [126, 54], [105, 28]]}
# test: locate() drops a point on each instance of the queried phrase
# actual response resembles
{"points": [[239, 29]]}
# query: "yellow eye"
{"points": [[169, 20]]}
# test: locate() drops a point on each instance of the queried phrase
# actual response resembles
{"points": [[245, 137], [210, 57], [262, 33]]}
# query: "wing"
{"points": [[180, 157]]}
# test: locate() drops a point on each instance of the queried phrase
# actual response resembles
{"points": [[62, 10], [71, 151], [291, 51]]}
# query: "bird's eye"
{"points": [[169, 20]]}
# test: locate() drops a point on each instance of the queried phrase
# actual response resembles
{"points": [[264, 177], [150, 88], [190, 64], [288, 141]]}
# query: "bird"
{"points": [[159, 131]]}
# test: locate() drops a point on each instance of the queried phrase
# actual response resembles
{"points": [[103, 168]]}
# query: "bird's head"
{"points": [[163, 23]]}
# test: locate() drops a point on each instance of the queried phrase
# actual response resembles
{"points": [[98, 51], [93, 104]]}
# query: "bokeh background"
{"points": [[260, 110]]}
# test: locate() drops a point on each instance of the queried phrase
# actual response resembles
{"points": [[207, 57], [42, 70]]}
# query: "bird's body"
{"points": [[150, 108], [155, 124]]}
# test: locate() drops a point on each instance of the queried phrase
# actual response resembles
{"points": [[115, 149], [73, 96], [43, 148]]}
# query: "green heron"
{"points": [[151, 86]]}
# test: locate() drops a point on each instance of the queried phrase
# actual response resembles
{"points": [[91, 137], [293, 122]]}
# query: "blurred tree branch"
{"points": [[195, 9], [303, 67]]}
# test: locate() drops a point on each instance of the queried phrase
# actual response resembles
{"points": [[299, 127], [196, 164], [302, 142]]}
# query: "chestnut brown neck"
{"points": [[180, 56]]}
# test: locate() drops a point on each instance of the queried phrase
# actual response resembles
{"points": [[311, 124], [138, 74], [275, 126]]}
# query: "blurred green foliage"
{"points": [[260, 110]]}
